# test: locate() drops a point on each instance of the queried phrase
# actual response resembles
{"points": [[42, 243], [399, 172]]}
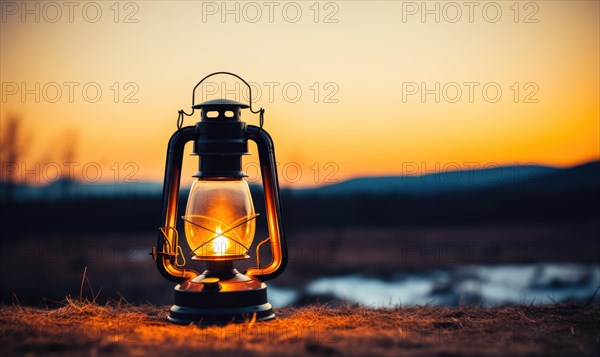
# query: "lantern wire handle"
{"points": [[182, 113]]}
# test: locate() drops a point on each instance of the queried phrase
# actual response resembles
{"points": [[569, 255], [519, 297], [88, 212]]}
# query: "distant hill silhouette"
{"points": [[578, 177], [436, 183], [524, 176]]}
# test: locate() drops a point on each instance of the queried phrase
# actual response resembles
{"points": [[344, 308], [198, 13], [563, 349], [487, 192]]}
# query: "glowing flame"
{"points": [[220, 243]]}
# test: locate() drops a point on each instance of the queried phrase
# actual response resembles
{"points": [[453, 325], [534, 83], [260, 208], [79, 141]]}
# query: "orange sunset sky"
{"points": [[360, 67]]}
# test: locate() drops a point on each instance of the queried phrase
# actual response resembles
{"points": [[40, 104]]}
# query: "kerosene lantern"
{"points": [[220, 221]]}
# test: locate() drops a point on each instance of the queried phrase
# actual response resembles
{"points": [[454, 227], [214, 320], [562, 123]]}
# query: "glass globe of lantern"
{"points": [[219, 222]]}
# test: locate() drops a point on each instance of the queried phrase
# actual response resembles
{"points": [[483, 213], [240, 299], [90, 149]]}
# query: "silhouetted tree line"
{"points": [[304, 210]]}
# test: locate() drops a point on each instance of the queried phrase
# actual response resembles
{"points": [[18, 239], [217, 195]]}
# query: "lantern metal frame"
{"points": [[220, 294]]}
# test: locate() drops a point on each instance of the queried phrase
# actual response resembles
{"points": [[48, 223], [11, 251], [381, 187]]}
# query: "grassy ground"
{"points": [[83, 328]]}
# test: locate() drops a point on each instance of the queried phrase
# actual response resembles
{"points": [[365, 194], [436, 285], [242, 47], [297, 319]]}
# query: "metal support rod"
{"points": [[166, 246], [266, 154]]}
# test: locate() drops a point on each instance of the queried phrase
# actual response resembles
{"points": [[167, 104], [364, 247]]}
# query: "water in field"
{"points": [[488, 285], [467, 285]]}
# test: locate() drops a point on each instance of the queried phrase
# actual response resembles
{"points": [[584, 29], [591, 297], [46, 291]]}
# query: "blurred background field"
{"points": [[509, 235]]}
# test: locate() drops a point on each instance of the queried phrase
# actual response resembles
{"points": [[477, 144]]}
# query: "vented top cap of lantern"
{"points": [[217, 104]]}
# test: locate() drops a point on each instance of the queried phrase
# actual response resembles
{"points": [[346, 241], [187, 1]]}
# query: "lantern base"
{"points": [[231, 297], [185, 315]]}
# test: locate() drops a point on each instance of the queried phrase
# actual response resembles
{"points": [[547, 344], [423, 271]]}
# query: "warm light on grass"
{"points": [[83, 327]]}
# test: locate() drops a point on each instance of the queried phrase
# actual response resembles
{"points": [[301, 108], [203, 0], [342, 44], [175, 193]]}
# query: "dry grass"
{"points": [[81, 327]]}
